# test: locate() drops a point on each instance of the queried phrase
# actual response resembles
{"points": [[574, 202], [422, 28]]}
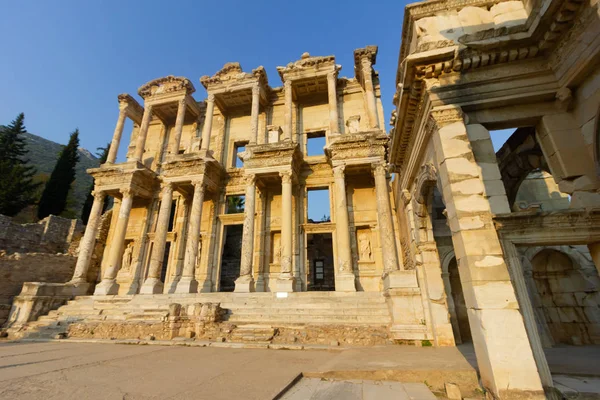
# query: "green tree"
{"points": [[17, 187], [102, 153], [56, 192]]}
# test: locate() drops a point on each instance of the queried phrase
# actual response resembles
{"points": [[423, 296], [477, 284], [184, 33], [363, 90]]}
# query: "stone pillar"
{"points": [[254, 113], [109, 285], [245, 283], [176, 141], [334, 124], [285, 283], [370, 93], [504, 355], [287, 135], [188, 283], [153, 284], [210, 108], [344, 274], [140, 144], [86, 246], [116, 140], [384, 220]]}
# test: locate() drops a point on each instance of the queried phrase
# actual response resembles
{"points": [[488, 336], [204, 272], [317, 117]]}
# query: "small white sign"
{"points": [[282, 295]]}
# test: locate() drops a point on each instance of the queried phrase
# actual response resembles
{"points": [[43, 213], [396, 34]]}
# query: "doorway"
{"points": [[231, 258], [319, 252]]}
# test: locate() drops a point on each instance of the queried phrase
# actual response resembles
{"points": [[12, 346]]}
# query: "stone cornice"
{"points": [[307, 62], [232, 73], [167, 84]]}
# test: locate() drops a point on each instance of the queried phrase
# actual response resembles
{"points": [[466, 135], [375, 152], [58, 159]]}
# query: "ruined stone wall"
{"points": [[17, 268], [51, 235]]}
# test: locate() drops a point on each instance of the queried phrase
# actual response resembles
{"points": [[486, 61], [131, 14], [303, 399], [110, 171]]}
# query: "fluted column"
{"points": [[245, 283], [334, 125], [285, 283], [384, 216], [370, 92], [287, 135], [116, 140], [344, 274], [109, 286], [178, 126], [188, 283], [210, 109], [86, 246], [254, 114], [153, 284], [140, 144]]}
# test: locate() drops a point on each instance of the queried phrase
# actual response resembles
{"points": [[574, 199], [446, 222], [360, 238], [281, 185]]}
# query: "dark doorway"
{"points": [[165, 263], [320, 260], [232, 254], [459, 302]]}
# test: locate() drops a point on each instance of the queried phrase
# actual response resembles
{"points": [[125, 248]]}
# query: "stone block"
{"points": [[475, 19], [508, 13], [468, 186], [483, 268], [285, 285], [345, 283], [152, 286], [470, 204], [453, 391], [401, 279], [496, 295], [459, 169]]}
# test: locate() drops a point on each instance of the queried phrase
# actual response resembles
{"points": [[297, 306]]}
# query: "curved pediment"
{"points": [[167, 84]]}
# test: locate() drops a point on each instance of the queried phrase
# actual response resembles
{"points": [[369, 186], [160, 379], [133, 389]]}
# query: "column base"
{"points": [[78, 287], [187, 285], [244, 284], [285, 284], [400, 279], [205, 286], [345, 283], [108, 287], [152, 286]]}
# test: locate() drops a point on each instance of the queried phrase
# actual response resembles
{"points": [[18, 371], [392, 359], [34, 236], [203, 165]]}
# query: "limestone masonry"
{"points": [[430, 237]]}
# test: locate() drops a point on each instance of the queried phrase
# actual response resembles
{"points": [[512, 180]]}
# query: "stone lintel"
{"points": [[132, 108], [112, 178]]}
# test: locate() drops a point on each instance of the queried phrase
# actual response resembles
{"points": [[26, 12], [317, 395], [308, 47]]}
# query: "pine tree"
{"points": [[87, 206], [56, 191], [17, 188]]}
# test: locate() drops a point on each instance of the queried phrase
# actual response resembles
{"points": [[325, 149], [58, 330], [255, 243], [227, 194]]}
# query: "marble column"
{"points": [[86, 246], [176, 141], [245, 283], [116, 140], [334, 125], [188, 283], [254, 113], [109, 285], [210, 109], [153, 284], [384, 220], [344, 274], [287, 134], [285, 283], [140, 143], [370, 92]]}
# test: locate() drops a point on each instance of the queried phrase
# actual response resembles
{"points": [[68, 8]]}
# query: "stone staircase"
{"points": [[253, 317]]}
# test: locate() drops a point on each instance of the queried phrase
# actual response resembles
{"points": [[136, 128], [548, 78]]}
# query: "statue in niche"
{"points": [[127, 257], [276, 249], [364, 246]]}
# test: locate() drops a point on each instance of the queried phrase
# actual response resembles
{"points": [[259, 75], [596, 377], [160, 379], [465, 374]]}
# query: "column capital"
{"points": [[445, 115], [286, 176], [338, 172], [182, 102], [379, 168], [256, 89], [250, 179], [366, 62], [210, 98], [199, 183], [127, 192], [332, 75], [167, 186], [98, 194], [287, 84]]}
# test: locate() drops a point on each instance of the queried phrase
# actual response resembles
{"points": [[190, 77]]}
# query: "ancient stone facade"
{"points": [[506, 242]]}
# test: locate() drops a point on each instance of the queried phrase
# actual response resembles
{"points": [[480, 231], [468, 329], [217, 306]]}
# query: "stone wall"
{"points": [[51, 235], [17, 268]]}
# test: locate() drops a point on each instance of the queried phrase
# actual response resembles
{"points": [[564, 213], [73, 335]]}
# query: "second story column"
{"points": [[153, 284], [255, 111], [86, 246], [370, 92], [287, 134], [245, 283], [116, 140], [178, 126], [109, 286], [334, 125], [210, 109], [285, 283], [188, 283], [140, 143], [344, 274], [384, 219]]}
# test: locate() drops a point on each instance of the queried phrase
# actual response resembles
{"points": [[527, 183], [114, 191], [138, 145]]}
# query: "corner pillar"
{"points": [[178, 126], [370, 92], [254, 113], [153, 284], [286, 280], [245, 283], [334, 124], [504, 354], [188, 283], [210, 109], [287, 134], [116, 140], [140, 143], [109, 285], [344, 274]]}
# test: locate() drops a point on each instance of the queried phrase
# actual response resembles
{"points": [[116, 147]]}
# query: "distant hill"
{"points": [[43, 154]]}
